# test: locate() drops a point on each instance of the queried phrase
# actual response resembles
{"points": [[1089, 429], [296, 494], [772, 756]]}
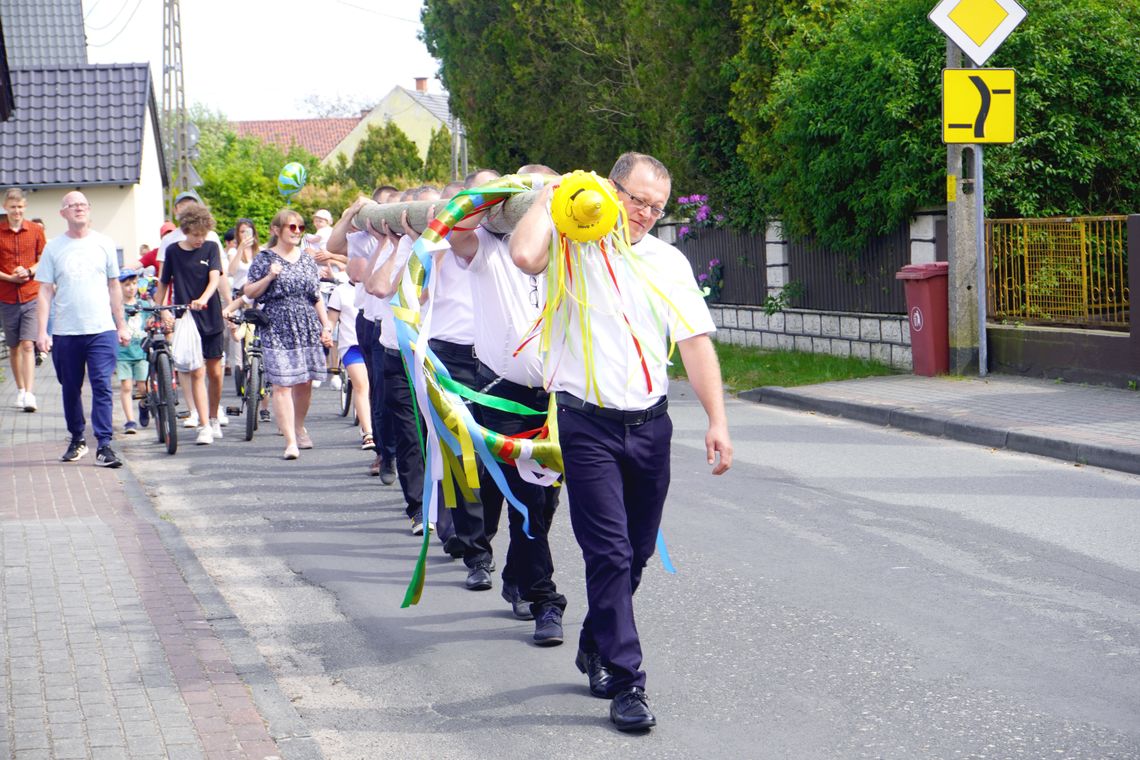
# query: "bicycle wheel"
{"points": [[166, 411], [345, 390], [152, 401], [252, 395]]}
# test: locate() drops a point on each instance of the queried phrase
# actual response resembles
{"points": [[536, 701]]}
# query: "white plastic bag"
{"points": [[186, 345]]}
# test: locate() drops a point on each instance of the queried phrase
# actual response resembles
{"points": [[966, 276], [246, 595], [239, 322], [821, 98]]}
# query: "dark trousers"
{"points": [[406, 424], [368, 338], [94, 356], [467, 517], [617, 476], [529, 565]]}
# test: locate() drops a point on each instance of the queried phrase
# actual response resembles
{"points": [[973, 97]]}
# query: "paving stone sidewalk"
{"points": [[114, 642], [1091, 425]]}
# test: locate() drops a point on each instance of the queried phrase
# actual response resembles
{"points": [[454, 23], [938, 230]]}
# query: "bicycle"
{"points": [[345, 399], [160, 397], [251, 389]]}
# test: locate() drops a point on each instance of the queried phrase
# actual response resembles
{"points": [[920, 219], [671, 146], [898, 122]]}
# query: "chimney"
{"points": [[421, 84]]}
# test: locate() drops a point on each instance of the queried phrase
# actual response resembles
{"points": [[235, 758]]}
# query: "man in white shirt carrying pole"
{"points": [[615, 434]]}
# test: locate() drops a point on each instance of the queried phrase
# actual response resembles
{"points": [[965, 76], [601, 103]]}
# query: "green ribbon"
{"points": [[484, 399]]}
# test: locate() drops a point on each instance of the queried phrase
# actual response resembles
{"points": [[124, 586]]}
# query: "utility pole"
{"points": [[173, 100]]}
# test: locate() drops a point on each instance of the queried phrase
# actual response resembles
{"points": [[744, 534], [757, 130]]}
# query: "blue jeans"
{"points": [[95, 356]]}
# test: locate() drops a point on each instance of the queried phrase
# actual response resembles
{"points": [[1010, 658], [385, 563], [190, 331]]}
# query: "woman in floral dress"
{"points": [[283, 279]]}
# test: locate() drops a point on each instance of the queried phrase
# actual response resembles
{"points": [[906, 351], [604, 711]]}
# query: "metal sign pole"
{"points": [[980, 192]]}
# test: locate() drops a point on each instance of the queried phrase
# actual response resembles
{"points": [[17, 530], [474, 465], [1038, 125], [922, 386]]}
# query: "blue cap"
{"points": [[126, 274]]}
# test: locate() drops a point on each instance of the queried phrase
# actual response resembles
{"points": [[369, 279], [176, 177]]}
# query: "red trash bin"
{"points": [[927, 305]]}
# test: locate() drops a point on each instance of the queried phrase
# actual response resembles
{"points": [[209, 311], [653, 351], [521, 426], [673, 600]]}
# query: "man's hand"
{"points": [[22, 275], [717, 441], [43, 342], [198, 304], [354, 209], [124, 336]]}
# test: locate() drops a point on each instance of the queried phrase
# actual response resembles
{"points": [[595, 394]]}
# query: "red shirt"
{"points": [[149, 259], [20, 249]]}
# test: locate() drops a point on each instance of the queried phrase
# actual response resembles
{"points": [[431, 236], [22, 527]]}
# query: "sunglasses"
{"points": [[295, 227]]}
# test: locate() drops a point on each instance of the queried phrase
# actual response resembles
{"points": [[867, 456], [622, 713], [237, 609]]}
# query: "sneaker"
{"points": [[19, 402], [105, 457], [205, 436], [418, 525], [548, 627], [223, 420], [336, 382], [144, 414], [131, 428], [263, 415], [29, 401], [316, 383], [519, 606], [387, 472], [75, 451], [192, 420], [303, 440], [41, 357], [216, 427]]}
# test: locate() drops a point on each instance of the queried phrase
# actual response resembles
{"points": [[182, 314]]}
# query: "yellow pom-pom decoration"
{"points": [[584, 207]]}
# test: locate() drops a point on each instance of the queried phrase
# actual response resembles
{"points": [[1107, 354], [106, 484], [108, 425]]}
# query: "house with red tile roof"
{"points": [[318, 136]]}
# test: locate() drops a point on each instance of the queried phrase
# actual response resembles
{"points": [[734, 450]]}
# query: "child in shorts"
{"points": [[132, 365]]}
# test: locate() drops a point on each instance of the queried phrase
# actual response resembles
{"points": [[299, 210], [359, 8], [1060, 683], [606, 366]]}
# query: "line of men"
{"points": [[615, 435]]}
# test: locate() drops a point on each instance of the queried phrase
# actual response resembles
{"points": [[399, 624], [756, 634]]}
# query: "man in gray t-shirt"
{"points": [[79, 271]]}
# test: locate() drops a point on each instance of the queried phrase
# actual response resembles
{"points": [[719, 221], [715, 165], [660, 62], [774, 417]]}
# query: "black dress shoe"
{"points": [[479, 578], [629, 710], [600, 676]]}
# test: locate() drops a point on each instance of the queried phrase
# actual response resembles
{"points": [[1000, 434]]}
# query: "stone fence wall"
{"points": [[882, 337]]}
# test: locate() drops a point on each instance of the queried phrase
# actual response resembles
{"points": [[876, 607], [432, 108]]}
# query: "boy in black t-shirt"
{"points": [[194, 265]]}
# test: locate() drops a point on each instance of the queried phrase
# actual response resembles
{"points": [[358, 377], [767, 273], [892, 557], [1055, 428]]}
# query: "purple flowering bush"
{"points": [[696, 210], [712, 281]]}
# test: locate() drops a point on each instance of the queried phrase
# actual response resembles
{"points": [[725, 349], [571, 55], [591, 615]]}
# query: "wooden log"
{"points": [[500, 219]]}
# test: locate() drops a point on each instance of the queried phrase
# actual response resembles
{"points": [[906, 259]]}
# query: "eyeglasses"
{"points": [[534, 291], [641, 205], [77, 206], [295, 227]]}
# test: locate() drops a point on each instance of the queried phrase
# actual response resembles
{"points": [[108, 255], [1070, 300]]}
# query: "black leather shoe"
{"points": [[600, 676], [519, 606], [479, 578], [629, 710]]}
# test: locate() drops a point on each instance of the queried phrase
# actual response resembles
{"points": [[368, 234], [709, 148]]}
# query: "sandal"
{"points": [[367, 442], [290, 453]]}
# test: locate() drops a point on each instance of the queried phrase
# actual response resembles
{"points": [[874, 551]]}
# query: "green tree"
{"points": [[437, 167], [384, 155]]}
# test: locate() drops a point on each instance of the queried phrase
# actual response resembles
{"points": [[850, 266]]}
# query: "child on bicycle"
{"points": [[194, 266], [342, 315], [132, 365]]}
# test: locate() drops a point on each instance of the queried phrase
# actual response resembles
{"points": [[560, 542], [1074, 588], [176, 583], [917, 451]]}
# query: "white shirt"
{"points": [[678, 309], [507, 301], [361, 245], [241, 272], [388, 317], [342, 300], [176, 236], [453, 316]]}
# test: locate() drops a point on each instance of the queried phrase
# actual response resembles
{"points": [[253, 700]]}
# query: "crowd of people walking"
{"points": [[67, 296]]}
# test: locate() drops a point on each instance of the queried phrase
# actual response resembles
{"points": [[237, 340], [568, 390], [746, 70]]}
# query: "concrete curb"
{"points": [[942, 426], [285, 725]]}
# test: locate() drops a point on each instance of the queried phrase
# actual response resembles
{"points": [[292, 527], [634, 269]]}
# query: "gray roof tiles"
{"points": [[41, 33], [80, 125], [436, 104]]}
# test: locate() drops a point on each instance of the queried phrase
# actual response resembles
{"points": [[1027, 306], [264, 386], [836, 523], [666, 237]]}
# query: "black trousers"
{"points": [[367, 338], [617, 476], [529, 565], [467, 517], [407, 429]]}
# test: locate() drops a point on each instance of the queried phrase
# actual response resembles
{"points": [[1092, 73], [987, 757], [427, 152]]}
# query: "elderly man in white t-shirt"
{"points": [[615, 434]]}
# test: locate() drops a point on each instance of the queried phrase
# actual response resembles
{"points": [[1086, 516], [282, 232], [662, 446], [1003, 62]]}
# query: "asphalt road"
{"points": [[845, 592]]}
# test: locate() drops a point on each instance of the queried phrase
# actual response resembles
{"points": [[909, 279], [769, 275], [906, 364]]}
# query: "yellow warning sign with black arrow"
{"points": [[978, 105]]}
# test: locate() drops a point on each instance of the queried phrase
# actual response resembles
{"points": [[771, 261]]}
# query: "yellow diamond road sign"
{"points": [[978, 105], [978, 27]]}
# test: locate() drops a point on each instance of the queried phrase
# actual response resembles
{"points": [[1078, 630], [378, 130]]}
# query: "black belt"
{"points": [[455, 349], [624, 416]]}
